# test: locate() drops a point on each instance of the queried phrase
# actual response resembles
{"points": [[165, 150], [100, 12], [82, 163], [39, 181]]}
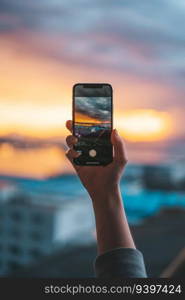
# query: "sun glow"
{"points": [[86, 119], [38, 162], [34, 120], [144, 125]]}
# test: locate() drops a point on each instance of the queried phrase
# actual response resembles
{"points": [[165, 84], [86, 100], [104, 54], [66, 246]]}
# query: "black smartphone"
{"points": [[92, 123]]}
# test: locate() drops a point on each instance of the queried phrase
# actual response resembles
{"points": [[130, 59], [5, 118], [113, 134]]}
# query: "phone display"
{"points": [[92, 123]]}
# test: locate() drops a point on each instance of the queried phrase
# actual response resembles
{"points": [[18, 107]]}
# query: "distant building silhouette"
{"points": [[31, 228]]}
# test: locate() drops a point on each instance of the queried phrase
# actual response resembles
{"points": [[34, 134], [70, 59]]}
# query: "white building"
{"points": [[178, 170], [32, 227]]}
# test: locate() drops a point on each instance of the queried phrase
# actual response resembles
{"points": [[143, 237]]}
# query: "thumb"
{"points": [[119, 148]]}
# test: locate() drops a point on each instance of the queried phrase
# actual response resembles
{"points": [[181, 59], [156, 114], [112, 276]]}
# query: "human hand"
{"points": [[98, 179]]}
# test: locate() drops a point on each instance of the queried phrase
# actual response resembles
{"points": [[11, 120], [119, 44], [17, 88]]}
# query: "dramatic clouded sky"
{"points": [[98, 108], [137, 46]]}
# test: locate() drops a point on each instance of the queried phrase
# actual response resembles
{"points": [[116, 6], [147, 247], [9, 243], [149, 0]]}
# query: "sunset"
{"points": [[39, 68], [92, 145], [144, 125]]}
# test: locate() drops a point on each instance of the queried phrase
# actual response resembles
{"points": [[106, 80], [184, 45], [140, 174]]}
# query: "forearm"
{"points": [[111, 222]]}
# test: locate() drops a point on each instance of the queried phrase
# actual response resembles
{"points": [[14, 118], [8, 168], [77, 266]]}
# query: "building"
{"points": [[31, 228], [178, 173], [7, 190], [159, 238], [157, 177], [133, 172]]}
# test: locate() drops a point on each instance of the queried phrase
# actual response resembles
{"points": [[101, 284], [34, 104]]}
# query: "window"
{"points": [[16, 216], [13, 265], [15, 233], [35, 236], [37, 219], [15, 250], [35, 253]]}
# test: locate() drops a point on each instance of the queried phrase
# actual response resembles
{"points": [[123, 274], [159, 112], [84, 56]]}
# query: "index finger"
{"points": [[69, 125]]}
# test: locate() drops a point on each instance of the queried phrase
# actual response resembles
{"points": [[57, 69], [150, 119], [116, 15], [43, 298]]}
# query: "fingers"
{"points": [[120, 155], [69, 125], [71, 140], [71, 153]]}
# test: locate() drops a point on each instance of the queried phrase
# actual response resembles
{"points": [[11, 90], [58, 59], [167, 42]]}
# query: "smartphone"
{"points": [[93, 123]]}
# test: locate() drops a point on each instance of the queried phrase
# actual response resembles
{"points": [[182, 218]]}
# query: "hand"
{"points": [[98, 179], [102, 184]]}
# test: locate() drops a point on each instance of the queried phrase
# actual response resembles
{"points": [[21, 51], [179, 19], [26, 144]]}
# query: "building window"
{"points": [[15, 234], [16, 216], [15, 250], [35, 253], [37, 219], [13, 265], [36, 236]]}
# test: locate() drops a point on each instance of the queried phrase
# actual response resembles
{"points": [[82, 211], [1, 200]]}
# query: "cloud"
{"points": [[144, 38], [95, 107]]}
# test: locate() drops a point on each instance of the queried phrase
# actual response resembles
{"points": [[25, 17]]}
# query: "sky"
{"points": [[92, 109], [48, 46]]}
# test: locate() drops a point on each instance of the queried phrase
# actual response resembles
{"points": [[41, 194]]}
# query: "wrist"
{"points": [[110, 194]]}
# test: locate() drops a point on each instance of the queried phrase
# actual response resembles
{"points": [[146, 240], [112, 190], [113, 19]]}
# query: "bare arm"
{"points": [[102, 183], [111, 222], [118, 256]]}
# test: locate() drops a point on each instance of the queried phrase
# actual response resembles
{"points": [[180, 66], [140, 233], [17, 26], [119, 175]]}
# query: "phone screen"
{"points": [[92, 123]]}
